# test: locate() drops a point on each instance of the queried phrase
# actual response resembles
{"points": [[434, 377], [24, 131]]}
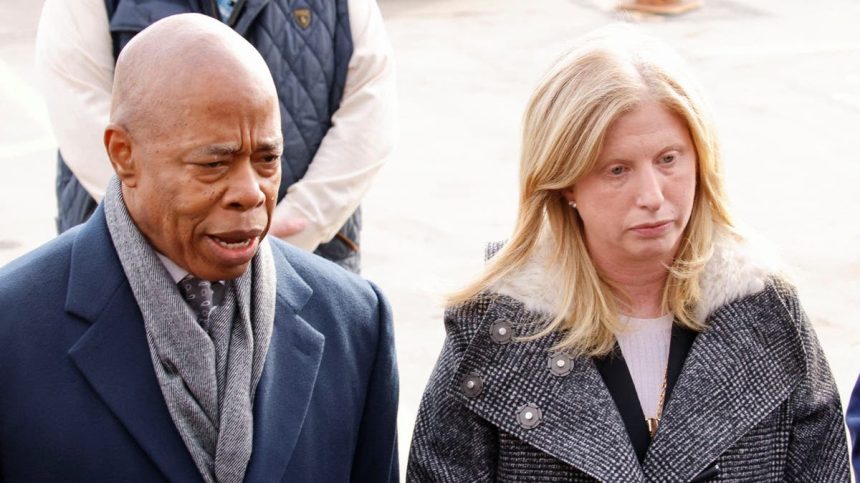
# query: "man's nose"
{"points": [[649, 189], [245, 190]]}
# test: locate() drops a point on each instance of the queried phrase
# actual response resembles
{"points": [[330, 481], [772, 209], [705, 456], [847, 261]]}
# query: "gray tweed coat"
{"points": [[755, 400]]}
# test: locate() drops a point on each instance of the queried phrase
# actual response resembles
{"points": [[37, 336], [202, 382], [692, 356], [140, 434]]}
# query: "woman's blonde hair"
{"points": [[608, 74]]}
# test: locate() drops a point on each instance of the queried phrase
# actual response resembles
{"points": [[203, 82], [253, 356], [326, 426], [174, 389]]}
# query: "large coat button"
{"points": [[560, 364], [529, 416], [501, 332], [472, 385]]}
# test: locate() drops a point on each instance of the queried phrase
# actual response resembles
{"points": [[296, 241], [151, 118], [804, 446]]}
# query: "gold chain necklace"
{"points": [[654, 422]]}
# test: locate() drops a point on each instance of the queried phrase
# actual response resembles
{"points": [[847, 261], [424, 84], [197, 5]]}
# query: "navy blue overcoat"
{"points": [[80, 402]]}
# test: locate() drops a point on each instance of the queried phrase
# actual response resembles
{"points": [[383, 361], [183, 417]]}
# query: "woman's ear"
{"points": [[568, 195]]}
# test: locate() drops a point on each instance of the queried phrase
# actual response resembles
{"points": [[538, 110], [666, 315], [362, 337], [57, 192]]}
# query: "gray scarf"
{"points": [[208, 380]]}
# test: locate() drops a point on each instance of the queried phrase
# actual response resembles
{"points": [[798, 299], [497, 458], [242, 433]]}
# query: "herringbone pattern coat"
{"points": [[755, 400]]}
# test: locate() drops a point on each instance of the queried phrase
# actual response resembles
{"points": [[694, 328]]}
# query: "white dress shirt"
{"points": [[75, 61]]}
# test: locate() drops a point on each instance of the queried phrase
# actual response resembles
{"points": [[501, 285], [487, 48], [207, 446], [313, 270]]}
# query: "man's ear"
{"points": [[119, 148]]}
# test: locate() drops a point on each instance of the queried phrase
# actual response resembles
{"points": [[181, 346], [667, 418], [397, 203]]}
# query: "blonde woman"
{"points": [[626, 332]]}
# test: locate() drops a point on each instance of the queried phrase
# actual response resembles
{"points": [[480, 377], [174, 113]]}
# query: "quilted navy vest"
{"points": [[307, 45]]}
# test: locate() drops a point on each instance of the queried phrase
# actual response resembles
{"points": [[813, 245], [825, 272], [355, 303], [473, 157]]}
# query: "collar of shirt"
{"points": [[657, 324], [176, 272]]}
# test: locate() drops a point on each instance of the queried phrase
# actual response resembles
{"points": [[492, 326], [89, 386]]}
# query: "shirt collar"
{"points": [[176, 272]]}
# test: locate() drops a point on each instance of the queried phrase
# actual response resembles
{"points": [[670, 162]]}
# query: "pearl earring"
{"points": [[572, 204]]}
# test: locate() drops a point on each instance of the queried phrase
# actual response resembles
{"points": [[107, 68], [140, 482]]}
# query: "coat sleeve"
{"points": [[817, 448], [451, 443], [376, 449], [853, 420]]}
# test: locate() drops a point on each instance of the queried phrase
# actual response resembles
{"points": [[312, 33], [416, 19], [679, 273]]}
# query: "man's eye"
{"points": [[214, 164], [271, 158]]}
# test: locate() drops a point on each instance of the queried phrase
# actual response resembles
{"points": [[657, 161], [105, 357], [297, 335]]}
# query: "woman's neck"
{"points": [[641, 285]]}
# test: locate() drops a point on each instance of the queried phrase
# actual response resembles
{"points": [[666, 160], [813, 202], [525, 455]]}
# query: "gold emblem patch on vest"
{"points": [[303, 17]]}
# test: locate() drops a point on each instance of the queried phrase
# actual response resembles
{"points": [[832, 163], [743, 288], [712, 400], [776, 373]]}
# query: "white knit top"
{"points": [[645, 346]]}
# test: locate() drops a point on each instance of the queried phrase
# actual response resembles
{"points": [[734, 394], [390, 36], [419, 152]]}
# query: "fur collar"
{"points": [[738, 267]]}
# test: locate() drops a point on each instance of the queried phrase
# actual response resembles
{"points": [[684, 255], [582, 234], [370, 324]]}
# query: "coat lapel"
{"points": [[738, 371], [287, 383], [579, 423], [616, 377], [113, 354]]}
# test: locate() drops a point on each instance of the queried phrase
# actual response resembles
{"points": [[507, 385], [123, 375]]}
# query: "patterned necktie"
{"points": [[203, 296]]}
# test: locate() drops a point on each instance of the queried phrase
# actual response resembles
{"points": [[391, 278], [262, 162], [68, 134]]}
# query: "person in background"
{"points": [[168, 338], [626, 332], [853, 420], [333, 68]]}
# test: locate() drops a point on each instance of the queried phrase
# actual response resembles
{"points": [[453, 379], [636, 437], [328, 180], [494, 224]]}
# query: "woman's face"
{"points": [[637, 201]]}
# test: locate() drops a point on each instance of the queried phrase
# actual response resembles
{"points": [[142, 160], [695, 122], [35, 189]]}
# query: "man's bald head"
{"points": [[175, 57], [195, 139]]}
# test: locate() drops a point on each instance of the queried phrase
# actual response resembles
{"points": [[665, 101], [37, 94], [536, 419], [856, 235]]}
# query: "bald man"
{"points": [[334, 70], [168, 338]]}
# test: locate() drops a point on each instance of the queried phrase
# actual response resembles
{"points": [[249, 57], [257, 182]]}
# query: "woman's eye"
{"points": [[616, 170], [667, 159]]}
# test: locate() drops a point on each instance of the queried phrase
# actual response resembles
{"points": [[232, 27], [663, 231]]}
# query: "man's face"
{"points": [[207, 178]]}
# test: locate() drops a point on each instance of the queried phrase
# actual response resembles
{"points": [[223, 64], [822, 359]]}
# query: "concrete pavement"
{"points": [[783, 80]]}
